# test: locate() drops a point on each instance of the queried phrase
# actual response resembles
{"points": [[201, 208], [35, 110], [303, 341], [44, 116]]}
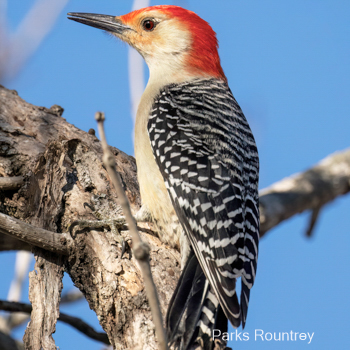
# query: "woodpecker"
{"points": [[197, 165]]}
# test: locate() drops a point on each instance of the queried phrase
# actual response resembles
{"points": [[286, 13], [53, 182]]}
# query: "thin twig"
{"points": [[313, 219], [23, 260], [75, 322], [140, 249]]}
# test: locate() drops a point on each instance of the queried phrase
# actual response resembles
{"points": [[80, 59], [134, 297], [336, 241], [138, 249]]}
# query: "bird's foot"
{"points": [[115, 225], [143, 215]]}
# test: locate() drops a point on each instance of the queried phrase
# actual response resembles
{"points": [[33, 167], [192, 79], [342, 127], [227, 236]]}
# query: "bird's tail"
{"points": [[195, 319]]}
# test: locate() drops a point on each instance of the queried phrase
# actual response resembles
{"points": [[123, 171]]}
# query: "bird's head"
{"points": [[172, 40]]}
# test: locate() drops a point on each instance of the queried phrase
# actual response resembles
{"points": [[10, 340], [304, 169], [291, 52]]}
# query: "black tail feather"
{"points": [[245, 293], [194, 311], [179, 300]]}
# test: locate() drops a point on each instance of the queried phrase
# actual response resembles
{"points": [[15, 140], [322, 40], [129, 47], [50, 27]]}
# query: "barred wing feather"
{"points": [[207, 155]]}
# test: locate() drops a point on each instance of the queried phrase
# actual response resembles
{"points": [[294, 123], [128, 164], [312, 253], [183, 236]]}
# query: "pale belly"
{"points": [[154, 195]]}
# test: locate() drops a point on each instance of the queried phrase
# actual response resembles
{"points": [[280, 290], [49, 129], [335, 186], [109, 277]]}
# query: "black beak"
{"points": [[105, 22]]}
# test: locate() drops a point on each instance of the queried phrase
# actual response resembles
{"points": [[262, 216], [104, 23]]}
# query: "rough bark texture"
{"points": [[45, 286], [64, 180]]}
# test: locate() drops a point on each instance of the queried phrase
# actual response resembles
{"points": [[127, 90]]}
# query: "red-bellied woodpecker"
{"points": [[197, 163]]}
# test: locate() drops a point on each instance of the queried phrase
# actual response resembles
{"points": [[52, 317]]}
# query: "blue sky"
{"points": [[287, 63]]}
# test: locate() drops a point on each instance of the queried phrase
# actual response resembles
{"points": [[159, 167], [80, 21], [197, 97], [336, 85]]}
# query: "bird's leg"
{"points": [[115, 225], [143, 215]]}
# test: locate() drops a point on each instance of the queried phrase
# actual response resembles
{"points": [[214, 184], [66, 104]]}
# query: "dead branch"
{"points": [[75, 322], [310, 190], [71, 296], [10, 243], [35, 236]]}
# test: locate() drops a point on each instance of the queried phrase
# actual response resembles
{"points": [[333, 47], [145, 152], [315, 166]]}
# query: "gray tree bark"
{"points": [[64, 180]]}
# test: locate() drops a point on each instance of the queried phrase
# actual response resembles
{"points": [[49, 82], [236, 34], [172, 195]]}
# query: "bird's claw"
{"points": [[115, 226]]}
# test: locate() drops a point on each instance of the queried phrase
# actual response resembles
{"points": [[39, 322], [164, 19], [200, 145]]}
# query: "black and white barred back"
{"points": [[207, 155]]}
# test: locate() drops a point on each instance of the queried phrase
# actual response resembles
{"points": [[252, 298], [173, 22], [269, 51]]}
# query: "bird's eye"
{"points": [[148, 25]]}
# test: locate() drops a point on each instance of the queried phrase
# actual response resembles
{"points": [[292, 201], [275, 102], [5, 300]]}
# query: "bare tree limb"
{"points": [[315, 214], [45, 286], [309, 190], [9, 343], [75, 322], [23, 259], [54, 242], [84, 328], [140, 249]]}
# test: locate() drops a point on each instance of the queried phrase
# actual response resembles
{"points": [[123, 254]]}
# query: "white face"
{"points": [[161, 40]]}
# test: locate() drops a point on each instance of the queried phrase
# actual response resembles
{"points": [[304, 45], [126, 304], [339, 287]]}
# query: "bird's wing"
{"points": [[207, 155]]}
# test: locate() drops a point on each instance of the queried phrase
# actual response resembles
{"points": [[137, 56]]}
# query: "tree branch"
{"points": [[30, 33], [309, 190], [8, 242], [54, 242], [75, 322], [72, 296]]}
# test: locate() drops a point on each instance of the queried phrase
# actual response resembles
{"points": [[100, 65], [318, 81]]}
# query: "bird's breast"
{"points": [[154, 194]]}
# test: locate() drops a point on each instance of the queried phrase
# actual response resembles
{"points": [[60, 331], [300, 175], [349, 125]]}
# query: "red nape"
{"points": [[204, 58]]}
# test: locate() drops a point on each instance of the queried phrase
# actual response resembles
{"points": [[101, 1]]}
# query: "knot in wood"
{"points": [[92, 132], [141, 251], [57, 110]]}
